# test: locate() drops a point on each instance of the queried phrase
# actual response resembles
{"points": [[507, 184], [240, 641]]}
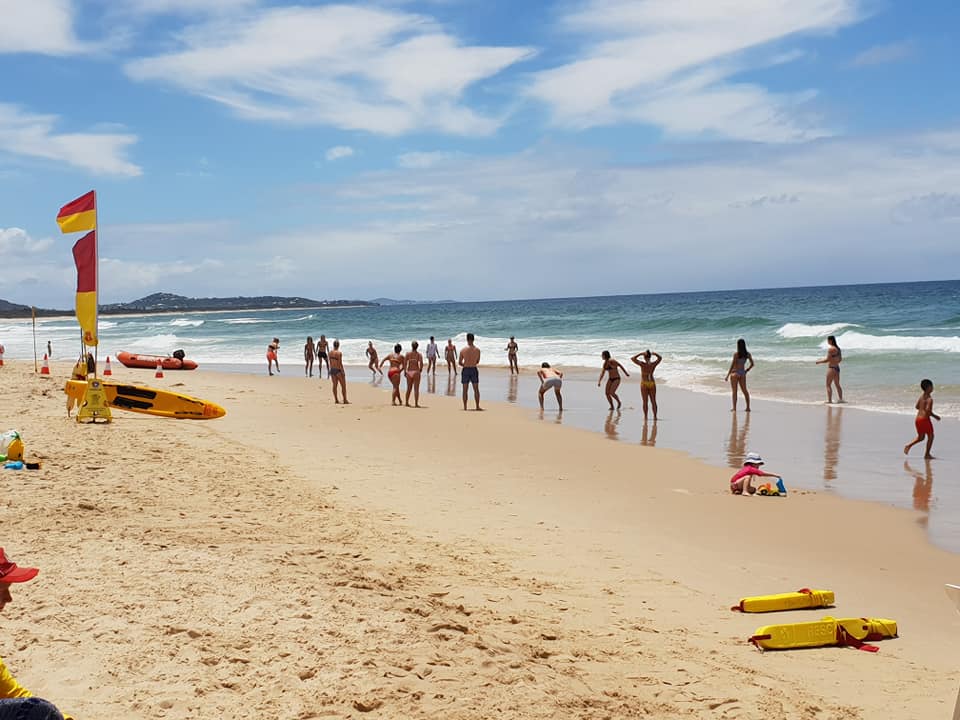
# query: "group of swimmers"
{"points": [[412, 364]]}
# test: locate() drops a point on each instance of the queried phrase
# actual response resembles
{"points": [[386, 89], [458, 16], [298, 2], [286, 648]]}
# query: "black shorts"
{"points": [[470, 375]]}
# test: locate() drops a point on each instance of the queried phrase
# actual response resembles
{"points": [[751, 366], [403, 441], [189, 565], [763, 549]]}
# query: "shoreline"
{"points": [[438, 563], [840, 449]]}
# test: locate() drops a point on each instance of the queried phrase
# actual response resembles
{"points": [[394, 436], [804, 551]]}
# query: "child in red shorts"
{"points": [[924, 413]]}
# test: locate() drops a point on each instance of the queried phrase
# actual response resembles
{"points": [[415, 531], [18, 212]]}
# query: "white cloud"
{"points": [[672, 63], [882, 54], [338, 152], [563, 221], [17, 241], [30, 135], [352, 67], [425, 159], [38, 26]]}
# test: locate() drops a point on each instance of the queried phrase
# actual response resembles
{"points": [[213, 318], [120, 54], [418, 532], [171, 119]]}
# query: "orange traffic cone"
{"points": [[45, 368], [106, 367], [159, 373]]}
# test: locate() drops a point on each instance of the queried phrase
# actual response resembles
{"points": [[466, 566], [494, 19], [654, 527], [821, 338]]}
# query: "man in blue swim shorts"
{"points": [[469, 360]]}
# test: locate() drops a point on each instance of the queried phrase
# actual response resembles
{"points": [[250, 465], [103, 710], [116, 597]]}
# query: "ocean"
{"points": [[891, 335]]}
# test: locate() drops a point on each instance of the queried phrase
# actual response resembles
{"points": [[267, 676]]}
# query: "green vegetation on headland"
{"points": [[168, 302]]}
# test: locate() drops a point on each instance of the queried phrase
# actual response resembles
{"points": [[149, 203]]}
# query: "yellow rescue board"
{"points": [[799, 600], [149, 401], [825, 632]]}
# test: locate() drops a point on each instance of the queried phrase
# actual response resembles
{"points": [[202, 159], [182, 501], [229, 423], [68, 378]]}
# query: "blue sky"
{"points": [[473, 150]]}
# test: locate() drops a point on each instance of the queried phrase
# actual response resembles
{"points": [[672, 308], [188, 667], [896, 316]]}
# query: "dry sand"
{"points": [[301, 560]]}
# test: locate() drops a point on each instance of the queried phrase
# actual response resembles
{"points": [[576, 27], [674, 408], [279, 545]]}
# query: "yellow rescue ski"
{"points": [[852, 632], [799, 600]]}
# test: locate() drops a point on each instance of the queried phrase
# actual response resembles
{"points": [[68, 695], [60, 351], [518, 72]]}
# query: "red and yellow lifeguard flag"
{"points": [[85, 257], [79, 215]]}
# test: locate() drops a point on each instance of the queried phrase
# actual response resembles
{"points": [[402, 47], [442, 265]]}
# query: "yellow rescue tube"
{"points": [[799, 600], [826, 632], [149, 401]]}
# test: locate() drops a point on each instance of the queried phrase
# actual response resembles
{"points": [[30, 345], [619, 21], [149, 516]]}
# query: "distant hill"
{"points": [[391, 301], [168, 302]]}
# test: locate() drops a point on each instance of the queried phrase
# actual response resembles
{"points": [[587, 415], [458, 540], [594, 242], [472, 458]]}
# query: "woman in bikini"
{"points": [[832, 361], [450, 352], [413, 361], [393, 374], [648, 386], [741, 364], [613, 369], [308, 351]]}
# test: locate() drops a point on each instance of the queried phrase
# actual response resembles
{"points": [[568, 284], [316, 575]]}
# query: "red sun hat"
{"points": [[10, 572]]}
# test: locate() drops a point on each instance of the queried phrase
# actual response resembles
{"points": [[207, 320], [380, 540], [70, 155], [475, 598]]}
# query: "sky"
{"points": [[478, 149]]}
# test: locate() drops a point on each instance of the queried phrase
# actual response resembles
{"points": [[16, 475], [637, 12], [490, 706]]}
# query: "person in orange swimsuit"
{"points": [[922, 422]]}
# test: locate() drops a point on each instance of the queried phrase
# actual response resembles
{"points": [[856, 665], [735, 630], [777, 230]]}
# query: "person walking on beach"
{"points": [[469, 361], [49, 350], [396, 361], [308, 351], [336, 373], [450, 353], [413, 364], [612, 368], [322, 349], [432, 352], [550, 378], [648, 386], [272, 349], [374, 363], [832, 361], [737, 374], [512, 355], [16, 702], [742, 481], [922, 422]]}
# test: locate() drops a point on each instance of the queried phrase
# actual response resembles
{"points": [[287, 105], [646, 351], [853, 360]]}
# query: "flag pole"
{"points": [[33, 310]]}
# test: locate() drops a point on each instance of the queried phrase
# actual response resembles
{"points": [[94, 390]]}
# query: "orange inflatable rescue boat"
{"points": [[149, 362]]}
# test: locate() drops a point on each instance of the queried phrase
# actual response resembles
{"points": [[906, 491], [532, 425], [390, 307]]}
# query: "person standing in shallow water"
{"points": [[413, 368], [308, 351], [272, 350], [470, 375], [450, 352], [374, 363], [322, 358], [512, 349], [741, 364], [648, 386], [832, 361], [612, 368], [336, 372], [432, 352]]}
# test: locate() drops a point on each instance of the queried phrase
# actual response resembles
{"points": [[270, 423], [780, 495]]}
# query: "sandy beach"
{"points": [[303, 560]]}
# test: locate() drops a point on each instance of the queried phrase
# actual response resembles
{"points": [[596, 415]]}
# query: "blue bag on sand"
{"points": [[14, 465]]}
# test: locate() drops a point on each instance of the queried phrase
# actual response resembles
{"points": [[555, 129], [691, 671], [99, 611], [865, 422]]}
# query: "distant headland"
{"points": [[168, 302]]}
